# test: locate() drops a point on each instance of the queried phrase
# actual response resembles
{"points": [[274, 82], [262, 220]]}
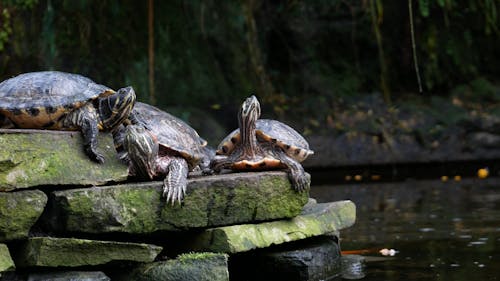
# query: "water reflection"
{"points": [[440, 230]]}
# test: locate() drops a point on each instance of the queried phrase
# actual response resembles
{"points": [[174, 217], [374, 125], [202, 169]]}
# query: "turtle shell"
{"points": [[41, 99], [271, 131], [173, 134]]}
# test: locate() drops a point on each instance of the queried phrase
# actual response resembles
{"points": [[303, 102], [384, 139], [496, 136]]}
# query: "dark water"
{"points": [[439, 230]]}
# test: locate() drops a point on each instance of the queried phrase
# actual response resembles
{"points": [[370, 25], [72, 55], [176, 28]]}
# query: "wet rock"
{"points": [[483, 140], [69, 275], [315, 220], [312, 259], [6, 263], [193, 266], [210, 201], [36, 157], [19, 211], [72, 252], [353, 267]]}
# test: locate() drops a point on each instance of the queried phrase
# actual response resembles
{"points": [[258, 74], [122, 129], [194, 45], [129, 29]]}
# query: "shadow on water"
{"points": [[439, 230]]}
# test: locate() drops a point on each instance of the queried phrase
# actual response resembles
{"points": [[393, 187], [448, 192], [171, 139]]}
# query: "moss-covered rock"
{"points": [[315, 220], [72, 252], [41, 157], [69, 276], [192, 266], [19, 211], [6, 263], [209, 201]]}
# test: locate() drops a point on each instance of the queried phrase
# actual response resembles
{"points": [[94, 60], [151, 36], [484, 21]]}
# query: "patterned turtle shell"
{"points": [[271, 131], [174, 135], [42, 99]]}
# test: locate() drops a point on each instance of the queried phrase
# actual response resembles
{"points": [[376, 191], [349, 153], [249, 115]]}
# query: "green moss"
{"points": [[53, 252], [321, 219], [190, 266], [18, 212], [53, 158], [209, 201], [197, 256], [6, 262]]}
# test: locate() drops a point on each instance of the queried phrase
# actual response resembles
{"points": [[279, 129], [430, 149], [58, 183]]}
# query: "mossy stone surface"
{"points": [[6, 263], [19, 211], [198, 266], [210, 201], [315, 220], [69, 276], [41, 157], [73, 252]]}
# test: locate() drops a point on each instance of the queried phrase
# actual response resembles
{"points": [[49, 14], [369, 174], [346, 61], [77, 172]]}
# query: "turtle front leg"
{"points": [[175, 182], [296, 174], [85, 118]]}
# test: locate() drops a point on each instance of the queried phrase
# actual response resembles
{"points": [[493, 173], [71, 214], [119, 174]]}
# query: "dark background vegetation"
{"points": [[315, 64]]}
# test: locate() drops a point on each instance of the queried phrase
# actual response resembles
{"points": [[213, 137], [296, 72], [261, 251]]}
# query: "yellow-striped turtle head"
{"points": [[116, 107]]}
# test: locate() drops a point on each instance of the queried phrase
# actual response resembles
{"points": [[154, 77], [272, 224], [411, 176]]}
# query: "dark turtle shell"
{"points": [[173, 134], [40, 99], [275, 132]]}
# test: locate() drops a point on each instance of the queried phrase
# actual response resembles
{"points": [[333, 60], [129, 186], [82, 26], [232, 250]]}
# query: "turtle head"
{"points": [[142, 148], [249, 112], [115, 108]]}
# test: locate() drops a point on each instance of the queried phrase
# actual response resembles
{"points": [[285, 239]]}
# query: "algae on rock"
{"points": [[19, 211], [138, 208], [73, 252], [6, 263], [315, 220], [190, 266], [41, 157]]}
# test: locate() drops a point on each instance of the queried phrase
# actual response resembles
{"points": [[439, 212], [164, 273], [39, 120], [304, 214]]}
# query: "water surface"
{"points": [[439, 230]]}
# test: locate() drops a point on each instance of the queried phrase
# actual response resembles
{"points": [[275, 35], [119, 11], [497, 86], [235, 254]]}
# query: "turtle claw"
{"points": [[300, 180], [173, 194], [94, 155], [99, 158], [174, 184]]}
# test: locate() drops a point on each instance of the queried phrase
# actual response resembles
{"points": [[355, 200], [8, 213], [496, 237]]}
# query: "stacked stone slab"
{"points": [[61, 213]]}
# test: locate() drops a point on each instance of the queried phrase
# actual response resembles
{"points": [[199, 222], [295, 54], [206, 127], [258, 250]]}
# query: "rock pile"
{"points": [[63, 217]]}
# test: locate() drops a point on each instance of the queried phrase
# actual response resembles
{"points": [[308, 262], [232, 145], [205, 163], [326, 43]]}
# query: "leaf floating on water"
{"points": [[388, 252], [483, 173]]}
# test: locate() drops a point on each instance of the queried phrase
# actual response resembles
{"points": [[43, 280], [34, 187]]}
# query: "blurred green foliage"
{"points": [[300, 57]]}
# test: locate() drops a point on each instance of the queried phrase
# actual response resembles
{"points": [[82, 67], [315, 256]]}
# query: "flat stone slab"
{"points": [[19, 211], [186, 267], [210, 201], [72, 252], [316, 219], [69, 275], [41, 157], [6, 263]]}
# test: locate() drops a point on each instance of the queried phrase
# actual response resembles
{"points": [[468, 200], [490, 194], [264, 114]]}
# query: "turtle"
{"points": [[162, 147], [64, 101], [263, 144]]}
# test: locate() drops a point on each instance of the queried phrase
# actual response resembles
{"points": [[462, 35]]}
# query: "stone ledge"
{"points": [[40, 157], [6, 263], [72, 252], [210, 201], [192, 266], [19, 211], [69, 276], [315, 220]]}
